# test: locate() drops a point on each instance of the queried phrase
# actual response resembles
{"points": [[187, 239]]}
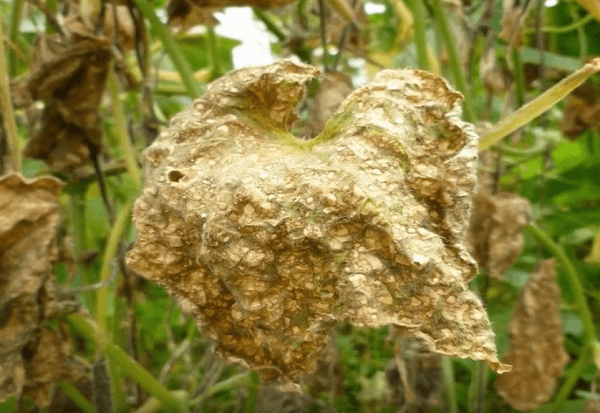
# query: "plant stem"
{"points": [[271, 25], [79, 399], [539, 105], [450, 384], [252, 396], [215, 58], [573, 26], [15, 21], [518, 74], [418, 12], [122, 132], [90, 331], [109, 252], [230, 383], [177, 57], [455, 64], [572, 277], [10, 125]]}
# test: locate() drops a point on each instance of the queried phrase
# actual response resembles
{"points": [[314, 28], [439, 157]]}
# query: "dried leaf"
{"points": [[31, 357], [513, 15], [120, 18], [334, 88], [592, 406], [68, 72], [496, 231], [581, 112], [268, 240], [536, 343]]}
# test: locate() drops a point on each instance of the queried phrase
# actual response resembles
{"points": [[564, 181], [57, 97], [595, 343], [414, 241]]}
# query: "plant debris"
{"points": [[33, 356], [268, 240], [536, 343]]}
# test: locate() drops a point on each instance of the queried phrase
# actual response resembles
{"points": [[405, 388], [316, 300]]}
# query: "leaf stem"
{"points": [[271, 25], [90, 331], [122, 132], [539, 105], [418, 12], [455, 64], [79, 399], [177, 57], [109, 252], [7, 113]]}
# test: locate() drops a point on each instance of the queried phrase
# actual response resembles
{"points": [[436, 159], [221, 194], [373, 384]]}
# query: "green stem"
{"points": [[109, 252], [539, 105], [450, 384], [15, 22], [271, 25], [213, 49], [455, 64], [177, 57], [77, 204], [418, 11], [228, 384], [252, 393], [572, 277], [90, 331], [573, 26], [122, 132], [518, 73], [10, 125], [79, 399], [583, 45]]}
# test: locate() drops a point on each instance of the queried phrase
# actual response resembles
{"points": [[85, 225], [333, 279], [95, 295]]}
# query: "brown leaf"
{"points": [[513, 15], [68, 72], [268, 240], [184, 14], [32, 357], [536, 343], [496, 231], [120, 18], [334, 88], [581, 112]]}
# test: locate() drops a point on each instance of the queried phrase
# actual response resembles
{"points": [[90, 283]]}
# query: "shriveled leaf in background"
{"points": [[496, 232], [536, 348], [497, 223], [68, 72], [582, 111], [268, 240], [33, 356], [334, 88]]}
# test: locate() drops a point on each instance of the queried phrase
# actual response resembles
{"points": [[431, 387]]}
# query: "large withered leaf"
{"points": [[536, 343], [267, 240], [32, 358]]}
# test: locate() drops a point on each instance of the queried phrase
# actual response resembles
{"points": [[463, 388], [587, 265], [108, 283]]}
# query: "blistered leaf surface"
{"points": [[268, 240], [536, 343], [32, 358]]}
